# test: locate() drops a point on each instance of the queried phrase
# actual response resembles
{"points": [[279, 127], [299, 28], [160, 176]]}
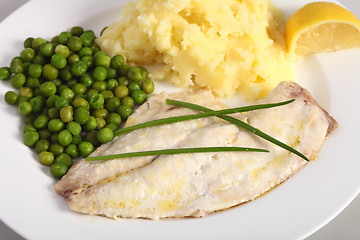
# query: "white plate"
{"points": [[294, 210]]}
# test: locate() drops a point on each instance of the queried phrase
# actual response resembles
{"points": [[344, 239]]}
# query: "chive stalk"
{"points": [[174, 151], [207, 113], [240, 124]]}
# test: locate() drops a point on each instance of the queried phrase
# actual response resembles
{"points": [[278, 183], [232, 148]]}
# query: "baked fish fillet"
{"points": [[197, 184]]}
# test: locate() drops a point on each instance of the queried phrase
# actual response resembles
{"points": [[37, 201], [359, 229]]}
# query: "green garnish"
{"points": [[207, 113], [175, 151], [240, 124]]}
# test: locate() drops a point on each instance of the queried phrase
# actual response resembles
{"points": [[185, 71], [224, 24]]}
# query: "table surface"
{"points": [[344, 226]]}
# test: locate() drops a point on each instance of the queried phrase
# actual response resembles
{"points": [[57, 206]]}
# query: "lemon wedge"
{"points": [[322, 27]]}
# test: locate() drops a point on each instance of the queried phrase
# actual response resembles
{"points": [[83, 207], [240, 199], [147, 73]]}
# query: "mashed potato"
{"points": [[224, 45]]}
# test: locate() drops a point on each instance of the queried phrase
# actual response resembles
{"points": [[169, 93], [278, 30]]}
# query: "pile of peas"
{"points": [[72, 95]]}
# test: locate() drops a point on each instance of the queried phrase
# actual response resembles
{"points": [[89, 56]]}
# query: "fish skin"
{"points": [[198, 184]]}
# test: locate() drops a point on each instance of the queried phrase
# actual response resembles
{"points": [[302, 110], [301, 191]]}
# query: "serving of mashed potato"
{"points": [[227, 46]]}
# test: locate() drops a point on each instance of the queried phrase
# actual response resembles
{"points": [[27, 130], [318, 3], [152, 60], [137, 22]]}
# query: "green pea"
{"points": [[110, 73], [16, 65], [41, 121], [64, 37], [72, 82], [65, 159], [77, 139], [123, 81], [148, 86], [112, 126], [90, 124], [81, 115], [139, 96], [28, 42], [102, 60], [74, 128], [54, 138], [66, 114], [37, 104], [32, 82], [35, 70], [56, 149], [100, 113], [61, 102], [63, 50], [112, 104], [94, 47], [113, 118], [88, 61], [99, 85], [99, 73], [26, 66], [105, 135], [42, 145], [50, 102], [47, 50], [128, 101], [78, 69], [91, 137], [46, 158], [124, 111], [58, 170], [76, 31], [74, 43], [80, 102], [111, 84], [123, 70], [101, 123], [55, 40], [37, 43], [27, 54], [91, 92], [64, 138], [87, 80], [11, 97], [87, 39], [67, 93], [85, 51], [18, 80], [117, 61], [44, 133], [47, 89], [58, 61], [30, 118], [73, 58], [57, 82], [39, 59], [72, 150], [55, 125], [30, 138], [22, 99], [26, 92], [133, 86], [65, 73], [24, 108], [107, 94], [50, 72], [85, 148], [5, 73], [29, 127], [79, 88], [121, 91], [96, 101]]}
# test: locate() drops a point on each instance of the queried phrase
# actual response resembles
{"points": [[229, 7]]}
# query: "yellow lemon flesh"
{"points": [[322, 27]]}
